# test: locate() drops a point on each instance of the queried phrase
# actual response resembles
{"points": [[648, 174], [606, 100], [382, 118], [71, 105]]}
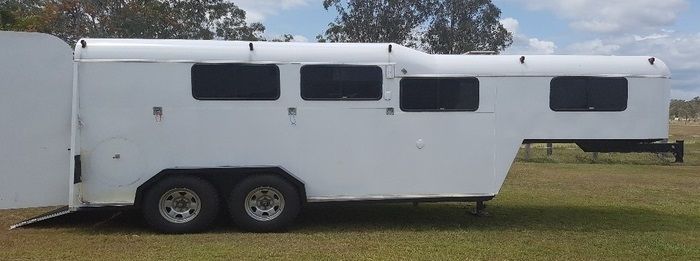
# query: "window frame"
{"points": [[271, 65], [402, 93], [301, 82], [587, 89]]}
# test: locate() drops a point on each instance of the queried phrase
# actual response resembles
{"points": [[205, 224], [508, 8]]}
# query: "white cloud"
{"points": [[523, 44], [538, 46], [596, 26], [300, 38], [258, 10], [612, 16], [680, 52], [593, 47], [511, 24], [626, 27], [684, 94], [650, 37]]}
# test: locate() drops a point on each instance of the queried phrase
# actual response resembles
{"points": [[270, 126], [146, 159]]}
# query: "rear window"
{"points": [[235, 82], [341, 82], [440, 94], [588, 94]]}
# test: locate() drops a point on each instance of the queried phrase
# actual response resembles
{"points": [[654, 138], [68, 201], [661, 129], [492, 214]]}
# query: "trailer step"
{"points": [[48, 215]]}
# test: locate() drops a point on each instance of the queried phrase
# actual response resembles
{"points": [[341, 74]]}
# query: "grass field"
{"points": [[550, 210]]}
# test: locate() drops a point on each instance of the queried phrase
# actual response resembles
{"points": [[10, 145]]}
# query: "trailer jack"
{"points": [[479, 209]]}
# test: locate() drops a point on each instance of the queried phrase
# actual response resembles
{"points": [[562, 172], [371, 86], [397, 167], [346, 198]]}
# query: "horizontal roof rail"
{"points": [[481, 53]]}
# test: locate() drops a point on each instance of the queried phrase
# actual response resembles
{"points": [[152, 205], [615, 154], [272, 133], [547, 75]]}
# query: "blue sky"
{"points": [[668, 29]]}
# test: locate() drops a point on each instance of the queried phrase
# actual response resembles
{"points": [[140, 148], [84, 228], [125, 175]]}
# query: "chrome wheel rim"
{"points": [[264, 203], [179, 205]]}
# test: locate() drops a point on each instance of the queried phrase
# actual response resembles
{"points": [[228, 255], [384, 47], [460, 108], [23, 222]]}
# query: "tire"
{"points": [[264, 194], [163, 200]]}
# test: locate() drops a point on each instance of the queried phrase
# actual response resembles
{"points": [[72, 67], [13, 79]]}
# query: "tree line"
{"points": [[685, 110], [435, 26], [71, 20]]}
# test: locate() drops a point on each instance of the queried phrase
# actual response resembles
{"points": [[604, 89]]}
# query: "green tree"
{"points": [[696, 106], [459, 26], [376, 21], [157, 19], [689, 110], [19, 15], [284, 38], [438, 26], [675, 109]]}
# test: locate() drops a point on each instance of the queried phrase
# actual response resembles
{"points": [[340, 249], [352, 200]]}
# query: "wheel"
{"points": [[264, 203], [181, 204]]}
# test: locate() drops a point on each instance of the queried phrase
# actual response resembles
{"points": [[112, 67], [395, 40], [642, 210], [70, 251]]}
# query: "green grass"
{"points": [[545, 211], [632, 207]]}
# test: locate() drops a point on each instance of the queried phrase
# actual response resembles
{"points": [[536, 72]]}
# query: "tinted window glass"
{"points": [[419, 94], [568, 93], [607, 94], [341, 82], [459, 94], [235, 82], [439, 94], [588, 94]]}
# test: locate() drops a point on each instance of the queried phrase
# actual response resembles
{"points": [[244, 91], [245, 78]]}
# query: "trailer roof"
{"points": [[408, 62]]}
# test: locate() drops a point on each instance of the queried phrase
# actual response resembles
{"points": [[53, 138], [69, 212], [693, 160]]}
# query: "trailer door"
{"points": [[36, 78]]}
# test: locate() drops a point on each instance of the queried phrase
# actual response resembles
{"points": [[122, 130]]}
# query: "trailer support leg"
{"points": [[479, 209], [678, 150]]}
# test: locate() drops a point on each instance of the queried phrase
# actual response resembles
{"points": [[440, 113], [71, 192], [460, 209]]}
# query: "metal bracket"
{"points": [[624, 146], [157, 111], [292, 112], [390, 71], [677, 148]]}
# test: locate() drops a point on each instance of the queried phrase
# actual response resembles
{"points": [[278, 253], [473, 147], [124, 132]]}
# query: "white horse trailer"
{"points": [[179, 128]]}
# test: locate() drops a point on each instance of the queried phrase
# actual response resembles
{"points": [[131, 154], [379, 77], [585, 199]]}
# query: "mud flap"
{"points": [[48, 215]]}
